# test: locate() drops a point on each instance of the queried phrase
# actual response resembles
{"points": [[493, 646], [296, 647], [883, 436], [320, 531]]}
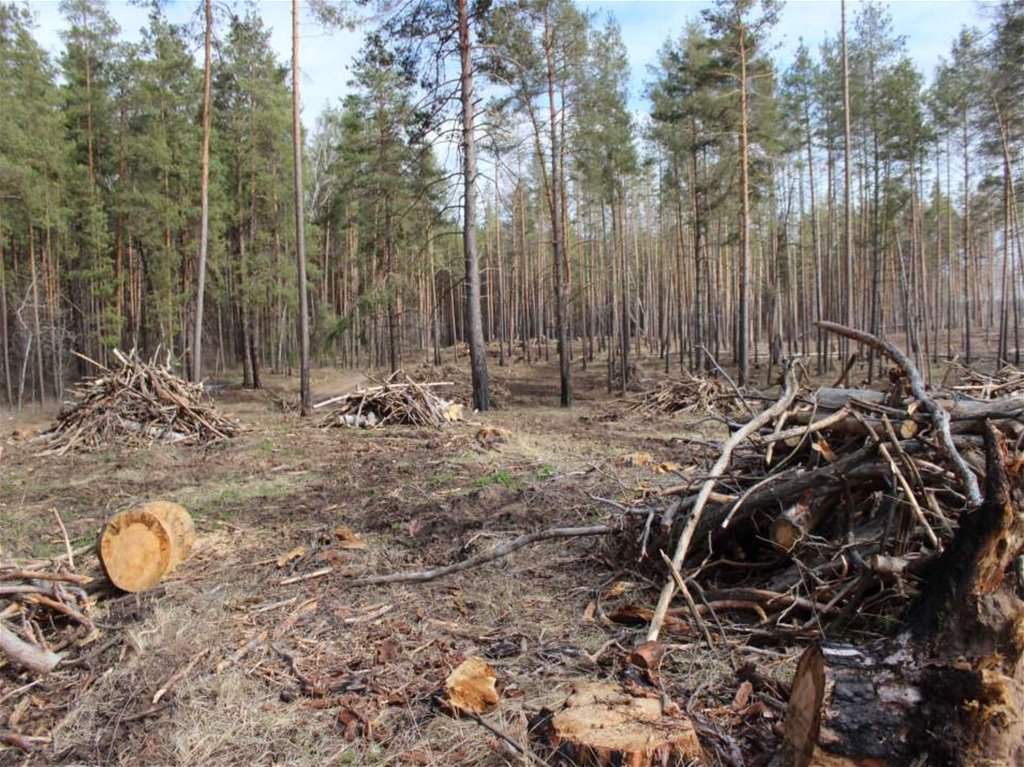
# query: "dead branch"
{"points": [[683, 545], [35, 659], [422, 576], [940, 418]]}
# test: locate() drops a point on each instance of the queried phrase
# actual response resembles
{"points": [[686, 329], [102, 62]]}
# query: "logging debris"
{"points": [[136, 404], [823, 519], [1005, 382], [687, 394], [43, 612], [398, 400], [139, 546]]}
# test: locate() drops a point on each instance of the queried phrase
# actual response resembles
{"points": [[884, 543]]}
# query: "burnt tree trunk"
{"points": [[950, 688]]}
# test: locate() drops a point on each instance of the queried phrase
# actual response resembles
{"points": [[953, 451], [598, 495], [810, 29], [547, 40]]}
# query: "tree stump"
{"points": [[949, 689], [138, 547], [601, 725]]}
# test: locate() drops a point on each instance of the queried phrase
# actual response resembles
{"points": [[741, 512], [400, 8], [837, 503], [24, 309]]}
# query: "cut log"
{"points": [[29, 656], [793, 524], [140, 546], [601, 725]]}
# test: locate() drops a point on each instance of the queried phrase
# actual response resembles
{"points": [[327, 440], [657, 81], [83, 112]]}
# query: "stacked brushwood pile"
{"points": [[1005, 382], [891, 519], [43, 611], [689, 394], [398, 400], [136, 404], [461, 387]]}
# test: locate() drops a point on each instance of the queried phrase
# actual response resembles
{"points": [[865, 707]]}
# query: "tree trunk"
{"points": [[743, 316], [557, 229], [847, 289], [204, 196], [305, 406], [477, 349]]}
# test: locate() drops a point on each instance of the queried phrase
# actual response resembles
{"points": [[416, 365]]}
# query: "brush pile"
{"points": [[1005, 382], [399, 400], [689, 394], [43, 611], [821, 515], [136, 405]]}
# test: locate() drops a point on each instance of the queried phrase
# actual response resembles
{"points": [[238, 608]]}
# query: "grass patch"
{"points": [[501, 477]]}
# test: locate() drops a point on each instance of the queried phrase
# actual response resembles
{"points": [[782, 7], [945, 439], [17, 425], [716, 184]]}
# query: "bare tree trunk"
{"points": [[557, 233], [305, 406], [204, 195], [4, 333], [477, 350], [35, 315], [746, 264], [847, 290]]}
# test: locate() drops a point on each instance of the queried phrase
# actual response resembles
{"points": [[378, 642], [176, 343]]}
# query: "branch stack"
{"points": [[42, 611], [827, 516], [1006, 382], [136, 405], [689, 394], [399, 400]]}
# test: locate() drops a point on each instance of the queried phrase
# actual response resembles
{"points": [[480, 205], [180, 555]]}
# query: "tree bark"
{"points": [[477, 349], [305, 404], [204, 195]]}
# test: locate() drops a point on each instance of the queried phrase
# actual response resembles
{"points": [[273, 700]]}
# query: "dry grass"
{"points": [[417, 497]]}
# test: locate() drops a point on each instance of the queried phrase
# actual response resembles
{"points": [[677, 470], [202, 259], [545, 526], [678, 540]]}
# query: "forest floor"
{"points": [[341, 674]]}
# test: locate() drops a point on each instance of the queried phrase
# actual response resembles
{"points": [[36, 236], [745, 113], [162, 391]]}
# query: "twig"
{"points": [[940, 418], [681, 585], [529, 755], [911, 498], [178, 675], [308, 576], [67, 541], [422, 576], [728, 379], [683, 545]]}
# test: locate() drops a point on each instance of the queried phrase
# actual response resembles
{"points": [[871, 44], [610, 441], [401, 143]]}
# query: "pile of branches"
{"points": [[43, 611], [1005, 382], [136, 404], [689, 394], [822, 514], [461, 387], [398, 400]]}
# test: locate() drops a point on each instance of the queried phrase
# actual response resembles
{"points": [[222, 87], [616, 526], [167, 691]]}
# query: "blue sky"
{"points": [[928, 25]]}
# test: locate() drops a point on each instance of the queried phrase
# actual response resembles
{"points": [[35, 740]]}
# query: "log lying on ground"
{"points": [[601, 725], [398, 400], [137, 404], [140, 546]]}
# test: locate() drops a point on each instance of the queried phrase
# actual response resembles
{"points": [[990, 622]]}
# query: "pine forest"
{"points": [[512, 383]]}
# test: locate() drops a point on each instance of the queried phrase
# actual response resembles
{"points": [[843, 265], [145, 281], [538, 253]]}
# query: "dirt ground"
{"points": [[320, 671]]}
